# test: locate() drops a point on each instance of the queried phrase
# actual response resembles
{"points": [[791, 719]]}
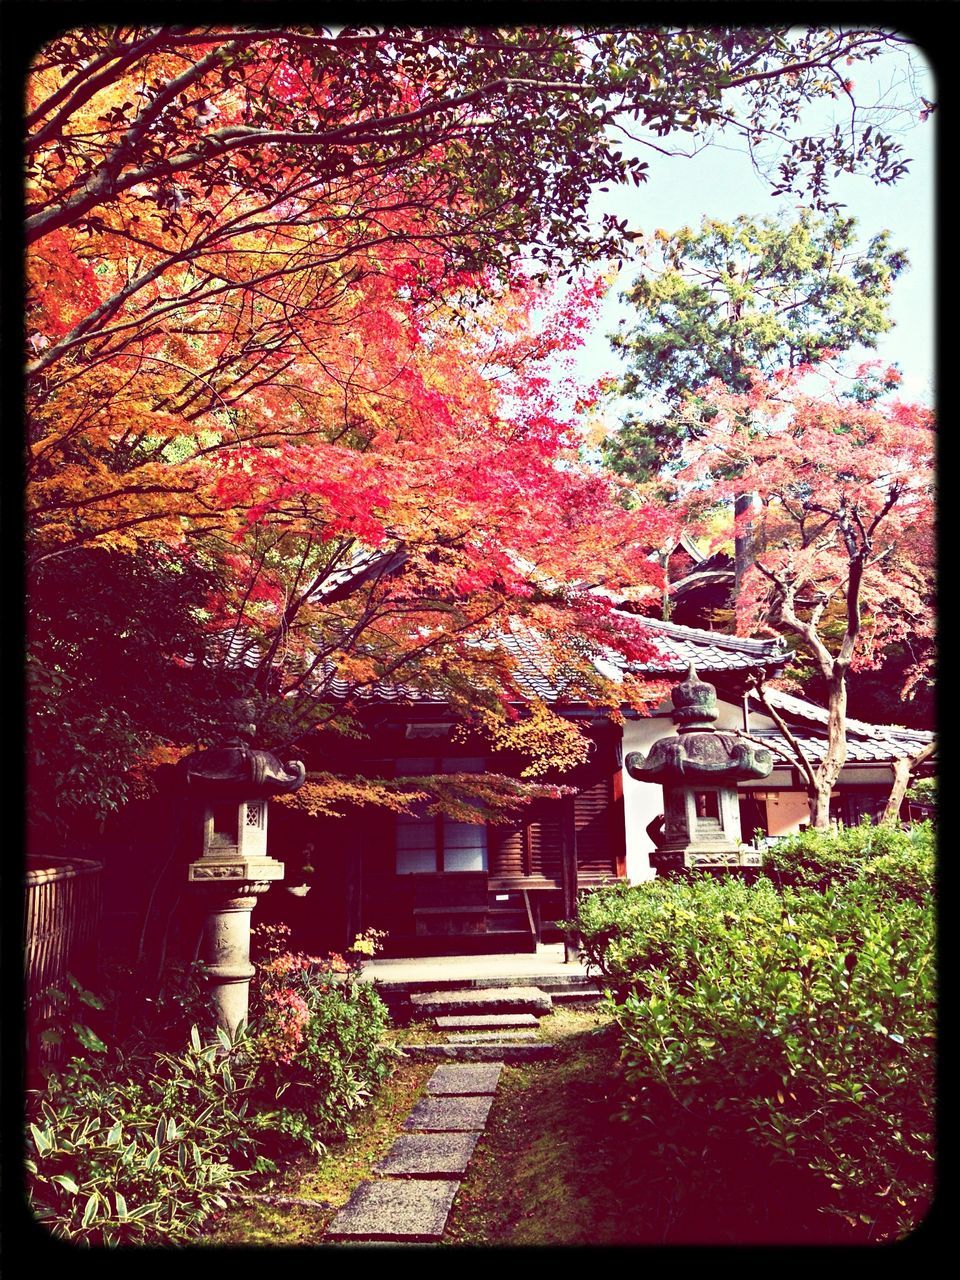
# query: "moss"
{"points": [[329, 1181], [546, 1171]]}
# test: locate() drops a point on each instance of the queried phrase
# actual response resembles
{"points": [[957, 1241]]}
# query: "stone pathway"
{"points": [[419, 1176], [409, 1199], [498, 1024]]}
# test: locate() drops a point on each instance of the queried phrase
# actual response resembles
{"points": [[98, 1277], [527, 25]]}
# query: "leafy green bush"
{"points": [[320, 1046], [799, 1020], [925, 795], [819, 858], [113, 1160], [907, 869]]}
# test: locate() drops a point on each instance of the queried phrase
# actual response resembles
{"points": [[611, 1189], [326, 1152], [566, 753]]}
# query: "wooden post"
{"points": [[354, 890], [568, 870]]}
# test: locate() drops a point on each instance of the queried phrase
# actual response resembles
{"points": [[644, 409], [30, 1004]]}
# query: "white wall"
{"points": [[642, 801]]}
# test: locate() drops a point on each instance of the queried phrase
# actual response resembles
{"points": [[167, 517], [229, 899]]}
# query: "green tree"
{"points": [[752, 293], [102, 688]]}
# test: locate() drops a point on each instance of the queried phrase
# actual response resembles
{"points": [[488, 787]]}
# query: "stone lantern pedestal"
{"points": [[699, 769], [233, 784]]}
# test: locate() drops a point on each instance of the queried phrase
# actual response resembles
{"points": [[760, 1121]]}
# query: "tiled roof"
{"points": [[865, 750], [895, 737], [710, 651]]}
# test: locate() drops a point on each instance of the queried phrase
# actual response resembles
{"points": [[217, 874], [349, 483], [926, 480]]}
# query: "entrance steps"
{"points": [[489, 1023], [511, 1000], [561, 988]]}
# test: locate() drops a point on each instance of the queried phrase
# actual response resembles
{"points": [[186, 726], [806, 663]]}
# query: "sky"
{"points": [[720, 182]]}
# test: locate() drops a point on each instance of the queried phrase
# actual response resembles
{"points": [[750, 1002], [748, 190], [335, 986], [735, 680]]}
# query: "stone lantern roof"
{"points": [[236, 769], [698, 752]]}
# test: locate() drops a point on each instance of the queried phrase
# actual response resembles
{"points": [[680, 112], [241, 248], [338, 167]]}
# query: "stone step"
{"points": [[589, 993], [481, 1021], [406, 1209], [465, 1079], [449, 1113], [428, 1155], [555, 981], [422, 946], [495, 1051], [483, 1000], [492, 1036]]}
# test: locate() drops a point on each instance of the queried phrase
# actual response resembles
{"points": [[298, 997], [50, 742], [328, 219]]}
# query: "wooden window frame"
{"points": [[440, 850]]}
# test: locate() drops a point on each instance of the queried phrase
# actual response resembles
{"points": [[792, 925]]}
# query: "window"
{"points": [[433, 842], [708, 807]]}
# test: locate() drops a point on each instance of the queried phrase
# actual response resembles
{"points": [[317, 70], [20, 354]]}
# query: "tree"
{"points": [[156, 155], [844, 547], [399, 547], [731, 298], [278, 325]]}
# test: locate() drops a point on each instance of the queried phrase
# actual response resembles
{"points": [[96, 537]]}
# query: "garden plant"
{"points": [[131, 1143], [782, 1031]]}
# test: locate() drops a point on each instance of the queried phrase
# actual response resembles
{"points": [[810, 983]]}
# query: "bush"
{"points": [[798, 1019], [820, 858], [112, 1160], [319, 1044], [133, 1144]]}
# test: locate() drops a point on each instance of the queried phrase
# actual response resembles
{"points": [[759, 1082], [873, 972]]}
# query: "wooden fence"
{"points": [[62, 907]]}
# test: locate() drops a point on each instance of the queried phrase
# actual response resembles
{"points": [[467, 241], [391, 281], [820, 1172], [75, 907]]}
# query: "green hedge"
{"points": [[795, 1013]]}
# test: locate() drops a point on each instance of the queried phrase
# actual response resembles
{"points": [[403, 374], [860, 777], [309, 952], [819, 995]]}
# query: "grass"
{"points": [[541, 1175], [556, 1165]]}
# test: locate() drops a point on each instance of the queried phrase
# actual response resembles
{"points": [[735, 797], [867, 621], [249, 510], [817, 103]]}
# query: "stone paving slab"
{"points": [[480, 1021], [577, 995], [428, 1155], [491, 1037], [407, 1210], [448, 1114], [465, 1079], [492, 1000], [534, 1051]]}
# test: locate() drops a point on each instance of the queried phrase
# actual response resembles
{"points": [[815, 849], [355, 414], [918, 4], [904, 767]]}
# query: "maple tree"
{"points": [[394, 531], [279, 328], [844, 546]]}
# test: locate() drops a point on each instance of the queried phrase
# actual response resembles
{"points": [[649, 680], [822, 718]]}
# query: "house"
{"points": [[438, 885], [697, 585]]}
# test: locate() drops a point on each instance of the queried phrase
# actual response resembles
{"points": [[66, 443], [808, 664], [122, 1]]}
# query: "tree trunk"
{"points": [[835, 754], [902, 769], [819, 801], [743, 542]]}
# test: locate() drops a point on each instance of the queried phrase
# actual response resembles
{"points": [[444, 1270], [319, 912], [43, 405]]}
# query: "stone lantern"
{"points": [[699, 769], [233, 784]]}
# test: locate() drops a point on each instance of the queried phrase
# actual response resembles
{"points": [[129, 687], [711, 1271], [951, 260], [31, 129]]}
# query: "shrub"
{"points": [[134, 1144], [112, 1160], [907, 869], [799, 1019], [820, 858], [319, 1044]]}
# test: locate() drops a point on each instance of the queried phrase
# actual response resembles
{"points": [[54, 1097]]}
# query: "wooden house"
{"points": [[437, 885]]}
